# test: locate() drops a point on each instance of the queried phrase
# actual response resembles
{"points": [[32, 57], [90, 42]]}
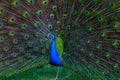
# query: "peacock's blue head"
{"points": [[52, 36]]}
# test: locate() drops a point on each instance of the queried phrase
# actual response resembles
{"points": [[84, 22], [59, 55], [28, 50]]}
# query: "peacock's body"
{"points": [[86, 36]]}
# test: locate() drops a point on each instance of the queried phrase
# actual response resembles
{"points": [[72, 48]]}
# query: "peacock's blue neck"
{"points": [[54, 55]]}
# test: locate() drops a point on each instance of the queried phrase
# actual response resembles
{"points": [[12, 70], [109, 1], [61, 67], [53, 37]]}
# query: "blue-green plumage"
{"points": [[86, 36]]}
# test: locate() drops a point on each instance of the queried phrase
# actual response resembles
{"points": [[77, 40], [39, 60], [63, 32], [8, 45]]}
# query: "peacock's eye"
{"points": [[26, 37], [30, 44], [24, 26], [74, 12], [40, 12], [58, 23], [99, 18], [14, 54], [31, 1], [21, 49], [65, 1], [45, 2], [54, 8], [26, 14], [2, 10], [111, 4], [2, 39], [50, 27], [37, 24], [37, 34], [87, 13], [113, 24], [52, 16], [90, 28], [15, 41], [101, 33], [113, 41], [11, 33], [64, 16], [17, 3], [6, 48], [12, 19]]}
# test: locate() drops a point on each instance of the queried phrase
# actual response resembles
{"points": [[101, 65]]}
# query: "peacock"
{"points": [[82, 35]]}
